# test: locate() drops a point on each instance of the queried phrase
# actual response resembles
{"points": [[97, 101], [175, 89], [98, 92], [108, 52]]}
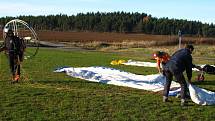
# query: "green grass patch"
{"points": [[45, 95]]}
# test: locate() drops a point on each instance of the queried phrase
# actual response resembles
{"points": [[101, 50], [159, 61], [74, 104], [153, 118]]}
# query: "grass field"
{"points": [[45, 95]]}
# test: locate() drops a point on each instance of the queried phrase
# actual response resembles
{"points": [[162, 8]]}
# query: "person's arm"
{"points": [[22, 44], [189, 66], [198, 67], [158, 64], [189, 74], [2, 49]]}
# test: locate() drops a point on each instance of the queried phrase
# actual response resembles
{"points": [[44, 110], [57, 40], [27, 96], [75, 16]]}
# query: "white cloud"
{"points": [[16, 9]]}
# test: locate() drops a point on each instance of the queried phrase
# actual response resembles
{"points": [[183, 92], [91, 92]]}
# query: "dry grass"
{"points": [[124, 38], [96, 36], [96, 40]]}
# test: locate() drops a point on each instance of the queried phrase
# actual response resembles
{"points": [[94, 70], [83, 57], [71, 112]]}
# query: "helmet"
{"points": [[5, 30], [158, 54]]}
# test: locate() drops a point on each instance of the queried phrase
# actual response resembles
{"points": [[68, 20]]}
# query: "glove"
{"points": [[189, 81]]}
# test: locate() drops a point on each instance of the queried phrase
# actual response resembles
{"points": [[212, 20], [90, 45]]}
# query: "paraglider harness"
{"points": [[17, 48], [206, 69]]}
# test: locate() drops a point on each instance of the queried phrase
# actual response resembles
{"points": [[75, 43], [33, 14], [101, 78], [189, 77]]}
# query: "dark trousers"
{"points": [[13, 62], [180, 79]]}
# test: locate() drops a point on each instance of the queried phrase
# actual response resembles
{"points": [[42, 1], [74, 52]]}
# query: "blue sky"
{"points": [[199, 10]]}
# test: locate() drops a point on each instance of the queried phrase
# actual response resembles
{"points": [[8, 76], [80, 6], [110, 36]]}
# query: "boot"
{"points": [[178, 95], [183, 102], [13, 77], [17, 78], [165, 99]]}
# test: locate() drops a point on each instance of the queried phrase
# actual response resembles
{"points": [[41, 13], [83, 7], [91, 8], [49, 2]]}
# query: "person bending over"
{"points": [[161, 59], [180, 61]]}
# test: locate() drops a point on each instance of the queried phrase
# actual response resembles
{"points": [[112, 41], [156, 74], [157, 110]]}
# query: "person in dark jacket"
{"points": [[14, 49], [180, 61]]}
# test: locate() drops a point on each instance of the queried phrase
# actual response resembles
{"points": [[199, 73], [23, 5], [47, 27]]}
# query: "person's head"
{"points": [[158, 54], [189, 47], [10, 32]]}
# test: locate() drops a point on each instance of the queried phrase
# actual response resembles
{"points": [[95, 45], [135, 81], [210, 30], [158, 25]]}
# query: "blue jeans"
{"points": [[179, 78]]}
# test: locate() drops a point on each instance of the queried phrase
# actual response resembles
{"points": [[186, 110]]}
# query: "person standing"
{"points": [[14, 49], [179, 62]]}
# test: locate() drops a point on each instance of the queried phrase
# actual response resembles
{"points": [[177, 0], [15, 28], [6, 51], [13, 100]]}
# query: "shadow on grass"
{"points": [[59, 81], [70, 82], [205, 83]]}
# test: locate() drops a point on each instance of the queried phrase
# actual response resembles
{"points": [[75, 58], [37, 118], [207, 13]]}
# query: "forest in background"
{"points": [[120, 22]]}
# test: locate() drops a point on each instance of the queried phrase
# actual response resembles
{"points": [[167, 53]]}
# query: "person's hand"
{"points": [[189, 81], [160, 72]]}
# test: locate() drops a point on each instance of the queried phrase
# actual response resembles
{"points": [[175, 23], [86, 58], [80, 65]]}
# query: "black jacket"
{"points": [[13, 44], [180, 61]]}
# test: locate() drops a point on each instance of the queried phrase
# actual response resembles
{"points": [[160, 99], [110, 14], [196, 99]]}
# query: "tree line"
{"points": [[122, 22]]}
